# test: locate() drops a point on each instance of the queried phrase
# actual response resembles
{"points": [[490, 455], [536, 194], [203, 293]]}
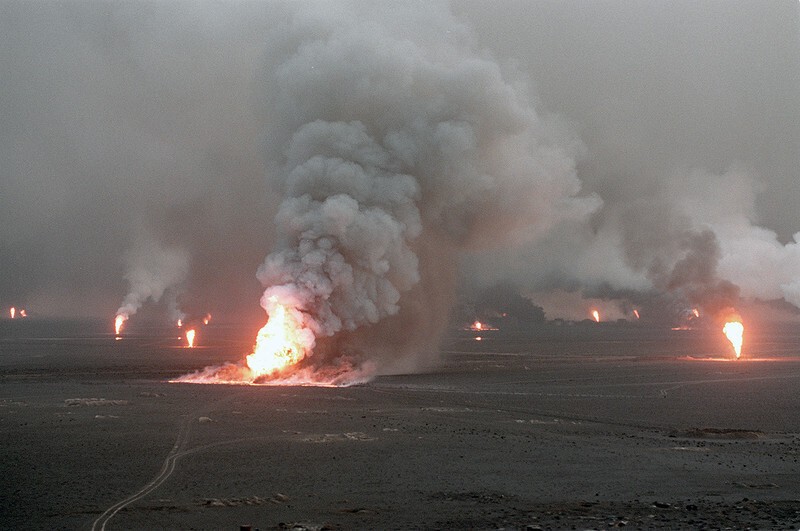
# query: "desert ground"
{"points": [[590, 426]]}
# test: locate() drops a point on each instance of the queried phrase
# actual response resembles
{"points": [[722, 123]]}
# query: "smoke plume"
{"points": [[389, 157], [396, 145], [153, 269]]}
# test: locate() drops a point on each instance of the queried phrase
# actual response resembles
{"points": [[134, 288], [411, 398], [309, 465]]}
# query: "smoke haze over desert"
{"points": [[359, 191], [182, 127]]}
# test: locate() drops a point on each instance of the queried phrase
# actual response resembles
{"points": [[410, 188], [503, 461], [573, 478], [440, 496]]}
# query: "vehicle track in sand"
{"points": [[167, 468]]}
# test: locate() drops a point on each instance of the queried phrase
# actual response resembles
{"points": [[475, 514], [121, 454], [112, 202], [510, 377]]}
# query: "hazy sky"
{"points": [[125, 122]]}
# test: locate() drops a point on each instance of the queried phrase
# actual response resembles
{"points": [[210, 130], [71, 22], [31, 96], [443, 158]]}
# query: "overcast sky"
{"points": [[129, 122]]}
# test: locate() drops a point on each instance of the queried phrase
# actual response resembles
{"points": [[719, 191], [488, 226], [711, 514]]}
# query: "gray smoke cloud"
{"points": [[388, 129], [122, 116], [389, 157], [693, 148], [151, 270]]}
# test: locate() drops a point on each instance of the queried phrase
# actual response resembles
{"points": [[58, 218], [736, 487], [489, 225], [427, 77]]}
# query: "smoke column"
{"points": [[395, 145], [151, 270]]}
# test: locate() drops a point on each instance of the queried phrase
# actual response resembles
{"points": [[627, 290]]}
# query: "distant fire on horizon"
{"points": [[17, 313], [190, 335], [734, 331]]}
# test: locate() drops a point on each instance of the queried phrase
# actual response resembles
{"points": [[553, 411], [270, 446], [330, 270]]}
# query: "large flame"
{"points": [[734, 330], [118, 323], [279, 343], [190, 337], [596, 316]]}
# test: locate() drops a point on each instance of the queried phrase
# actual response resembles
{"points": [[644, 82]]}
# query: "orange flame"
{"points": [[596, 315], [118, 323], [23, 313], [207, 319], [13, 312], [190, 338], [480, 326], [696, 312], [636, 313], [279, 344], [734, 331], [180, 323]]}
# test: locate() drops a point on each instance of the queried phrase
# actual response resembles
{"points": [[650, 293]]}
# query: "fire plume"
{"points": [[118, 323], [13, 312], [596, 316], [190, 338], [734, 331], [279, 344], [477, 325]]}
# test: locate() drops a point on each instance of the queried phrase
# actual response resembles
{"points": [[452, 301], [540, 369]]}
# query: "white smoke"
{"points": [[396, 144], [151, 270], [751, 255], [694, 237]]}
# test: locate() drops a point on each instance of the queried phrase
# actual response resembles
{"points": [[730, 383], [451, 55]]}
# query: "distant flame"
{"points": [[596, 315], [23, 313], [636, 313], [480, 326], [190, 338], [180, 323], [696, 312], [207, 319], [118, 323], [13, 312], [734, 331]]}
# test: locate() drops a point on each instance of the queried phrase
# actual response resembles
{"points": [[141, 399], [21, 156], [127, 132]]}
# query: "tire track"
{"points": [[166, 471], [167, 468]]}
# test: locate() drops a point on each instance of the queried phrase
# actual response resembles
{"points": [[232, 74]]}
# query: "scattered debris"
{"points": [[204, 420], [298, 526], [718, 433], [69, 402], [276, 498], [757, 485], [335, 437]]}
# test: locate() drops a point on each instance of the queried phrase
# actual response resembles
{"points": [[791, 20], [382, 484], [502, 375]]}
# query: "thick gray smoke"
{"points": [[396, 145], [409, 154]]}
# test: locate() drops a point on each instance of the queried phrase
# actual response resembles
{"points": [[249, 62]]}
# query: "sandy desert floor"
{"points": [[585, 427]]}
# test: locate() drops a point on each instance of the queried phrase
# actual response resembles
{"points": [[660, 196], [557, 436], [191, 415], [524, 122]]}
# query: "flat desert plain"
{"points": [[590, 426]]}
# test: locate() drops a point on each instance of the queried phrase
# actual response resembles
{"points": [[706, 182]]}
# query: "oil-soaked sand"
{"points": [[560, 428]]}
